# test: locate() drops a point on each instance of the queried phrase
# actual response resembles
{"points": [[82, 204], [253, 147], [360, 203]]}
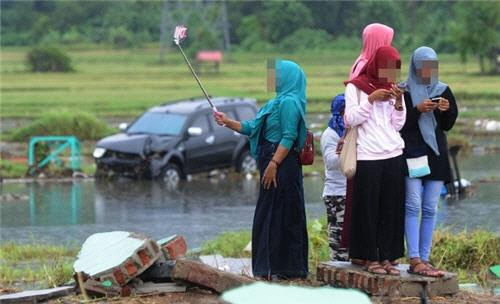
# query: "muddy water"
{"points": [[68, 212]]}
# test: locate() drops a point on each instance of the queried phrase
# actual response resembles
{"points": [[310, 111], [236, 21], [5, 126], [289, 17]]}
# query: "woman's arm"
{"points": [[329, 141], [289, 115], [289, 123], [398, 116], [355, 114], [448, 117]]}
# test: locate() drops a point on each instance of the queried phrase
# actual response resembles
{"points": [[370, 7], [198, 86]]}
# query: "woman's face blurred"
{"points": [[428, 71], [390, 73]]}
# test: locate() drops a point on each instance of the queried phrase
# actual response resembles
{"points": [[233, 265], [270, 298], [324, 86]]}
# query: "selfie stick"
{"points": [[180, 34]]}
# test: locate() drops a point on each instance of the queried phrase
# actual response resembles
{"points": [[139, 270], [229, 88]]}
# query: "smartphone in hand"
{"points": [[436, 99]]}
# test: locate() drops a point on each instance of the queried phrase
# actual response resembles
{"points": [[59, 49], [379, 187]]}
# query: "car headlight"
{"points": [[99, 152]]}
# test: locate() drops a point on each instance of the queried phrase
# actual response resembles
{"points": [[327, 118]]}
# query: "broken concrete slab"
{"points": [[155, 288], [173, 247], [207, 276], [35, 296], [344, 274], [111, 259], [241, 266], [262, 292]]}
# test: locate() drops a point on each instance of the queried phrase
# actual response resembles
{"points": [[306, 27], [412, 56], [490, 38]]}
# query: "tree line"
{"points": [[468, 28]]}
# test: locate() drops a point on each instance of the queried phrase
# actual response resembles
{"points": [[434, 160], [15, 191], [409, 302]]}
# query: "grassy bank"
{"points": [[126, 82], [36, 264], [470, 254]]}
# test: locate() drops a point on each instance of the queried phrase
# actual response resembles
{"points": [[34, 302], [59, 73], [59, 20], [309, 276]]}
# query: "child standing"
{"points": [[334, 191]]}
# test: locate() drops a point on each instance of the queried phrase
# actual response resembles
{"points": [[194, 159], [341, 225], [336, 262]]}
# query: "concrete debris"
{"points": [[122, 263], [248, 247], [207, 276], [141, 288], [173, 247], [346, 275], [35, 296], [116, 257], [241, 266]]}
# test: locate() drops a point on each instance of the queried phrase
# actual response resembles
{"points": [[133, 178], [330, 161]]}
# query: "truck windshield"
{"points": [[158, 123]]}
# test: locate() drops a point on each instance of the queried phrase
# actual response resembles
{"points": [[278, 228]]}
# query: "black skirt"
{"points": [[279, 233]]}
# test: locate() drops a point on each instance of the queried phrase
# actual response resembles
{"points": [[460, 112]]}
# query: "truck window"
{"points": [[201, 122]]}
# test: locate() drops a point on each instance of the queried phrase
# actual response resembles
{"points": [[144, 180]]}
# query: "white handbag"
{"points": [[348, 153]]}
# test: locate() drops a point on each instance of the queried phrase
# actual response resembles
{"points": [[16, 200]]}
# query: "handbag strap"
{"points": [[358, 94]]}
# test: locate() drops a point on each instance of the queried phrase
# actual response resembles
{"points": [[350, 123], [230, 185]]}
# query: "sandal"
{"points": [[358, 262], [390, 269], [374, 267], [420, 268], [441, 272]]}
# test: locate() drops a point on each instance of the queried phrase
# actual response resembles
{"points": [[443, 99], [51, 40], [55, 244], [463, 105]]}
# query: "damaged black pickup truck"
{"points": [[175, 139]]}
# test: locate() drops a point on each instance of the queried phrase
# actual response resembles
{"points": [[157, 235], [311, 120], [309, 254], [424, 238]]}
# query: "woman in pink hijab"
{"points": [[375, 35]]}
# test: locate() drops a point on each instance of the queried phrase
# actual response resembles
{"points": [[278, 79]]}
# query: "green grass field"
{"points": [[126, 82]]}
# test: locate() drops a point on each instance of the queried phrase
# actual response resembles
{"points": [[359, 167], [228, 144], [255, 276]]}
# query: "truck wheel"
{"points": [[246, 163]]}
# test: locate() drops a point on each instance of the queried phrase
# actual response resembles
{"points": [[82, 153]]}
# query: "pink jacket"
{"points": [[378, 125]]}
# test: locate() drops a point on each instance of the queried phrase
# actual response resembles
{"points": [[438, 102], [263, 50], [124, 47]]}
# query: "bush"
{"points": [[469, 254], [120, 37], [228, 244], [80, 124], [305, 39], [254, 43], [9, 169], [48, 59], [52, 37]]}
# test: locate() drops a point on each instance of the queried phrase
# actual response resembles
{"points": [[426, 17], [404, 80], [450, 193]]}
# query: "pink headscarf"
{"points": [[375, 35]]}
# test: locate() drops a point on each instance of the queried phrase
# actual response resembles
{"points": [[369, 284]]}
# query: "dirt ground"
{"points": [[201, 296]]}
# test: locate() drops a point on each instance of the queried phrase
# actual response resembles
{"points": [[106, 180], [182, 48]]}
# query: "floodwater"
{"points": [[68, 212]]}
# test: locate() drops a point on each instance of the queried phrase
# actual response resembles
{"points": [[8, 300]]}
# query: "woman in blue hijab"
{"points": [[278, 132], [431, 111]]}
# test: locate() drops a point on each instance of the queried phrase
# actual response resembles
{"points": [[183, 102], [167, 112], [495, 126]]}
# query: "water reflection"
{"points": [[62, 212], [69, 212]]}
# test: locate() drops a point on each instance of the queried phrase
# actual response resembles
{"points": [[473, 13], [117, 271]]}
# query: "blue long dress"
{"points": [[279, 233]]}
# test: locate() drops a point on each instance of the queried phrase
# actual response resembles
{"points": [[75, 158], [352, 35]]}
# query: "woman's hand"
{"points": [[270, 176], [426, 106], [380, 95], [221, 118], [397, 92], [443, 105]]}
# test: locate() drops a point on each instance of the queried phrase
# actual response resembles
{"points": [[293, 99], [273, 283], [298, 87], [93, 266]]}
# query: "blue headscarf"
{"points": [[290, 84], [418, 91], [336, 108]]}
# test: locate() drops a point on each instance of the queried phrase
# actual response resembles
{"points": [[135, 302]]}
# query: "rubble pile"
{"points": [[122, 263]]}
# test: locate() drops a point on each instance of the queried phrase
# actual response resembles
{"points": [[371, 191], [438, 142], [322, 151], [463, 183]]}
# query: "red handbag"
{"points": [[306, 155]]}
